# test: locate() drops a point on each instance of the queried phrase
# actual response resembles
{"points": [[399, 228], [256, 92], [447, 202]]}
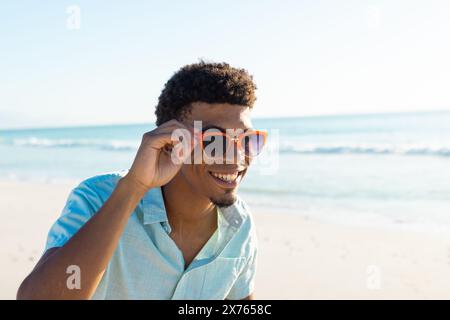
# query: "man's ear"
{"points": [[167, 149]]}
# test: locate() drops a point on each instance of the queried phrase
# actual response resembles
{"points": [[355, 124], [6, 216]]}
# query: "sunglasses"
{"points": [[250, 143]]}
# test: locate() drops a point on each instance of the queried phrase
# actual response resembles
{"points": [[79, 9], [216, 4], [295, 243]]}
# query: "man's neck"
{"points": [[187, 211]]}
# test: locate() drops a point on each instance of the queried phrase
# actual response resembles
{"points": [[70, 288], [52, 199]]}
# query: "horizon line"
{"points": [[350, 114]]}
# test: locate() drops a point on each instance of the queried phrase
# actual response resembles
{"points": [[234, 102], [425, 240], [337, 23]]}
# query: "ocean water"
{"points": [[384, 170]]}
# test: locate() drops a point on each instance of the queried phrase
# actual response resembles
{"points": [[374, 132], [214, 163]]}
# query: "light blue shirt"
{"points": [[147, 264]]}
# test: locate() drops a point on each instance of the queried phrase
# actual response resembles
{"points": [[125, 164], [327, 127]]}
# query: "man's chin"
{"points": [[224, 202]]}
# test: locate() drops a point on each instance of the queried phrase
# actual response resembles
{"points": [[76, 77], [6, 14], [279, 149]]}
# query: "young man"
{"points": [[164, 229]]}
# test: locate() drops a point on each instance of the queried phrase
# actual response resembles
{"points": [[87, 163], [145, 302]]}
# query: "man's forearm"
{"points": [[90, 249]]}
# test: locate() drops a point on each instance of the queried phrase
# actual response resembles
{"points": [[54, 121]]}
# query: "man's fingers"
{"points": [[178, 137], [177, 130], [158, 140], [172, 137], [174, 124]]}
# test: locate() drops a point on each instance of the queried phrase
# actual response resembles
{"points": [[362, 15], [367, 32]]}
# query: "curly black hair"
{"points": [[204, 82]]}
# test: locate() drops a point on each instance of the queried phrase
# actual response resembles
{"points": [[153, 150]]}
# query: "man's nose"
{"points": [[234, 154]]}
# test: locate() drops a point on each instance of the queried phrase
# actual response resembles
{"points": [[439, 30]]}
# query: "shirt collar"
{"points": [[152, 206], [153, 209], [234, 214]]}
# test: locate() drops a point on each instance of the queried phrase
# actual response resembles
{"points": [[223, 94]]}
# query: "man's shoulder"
{"points": [[105, 177], [102, 184]]}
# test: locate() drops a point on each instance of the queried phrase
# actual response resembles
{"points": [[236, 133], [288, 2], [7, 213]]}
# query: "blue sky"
{"points": [[307, 57]]}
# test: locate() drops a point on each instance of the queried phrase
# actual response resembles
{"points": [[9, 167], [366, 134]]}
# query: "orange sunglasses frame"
{"points": [[230, 139]]}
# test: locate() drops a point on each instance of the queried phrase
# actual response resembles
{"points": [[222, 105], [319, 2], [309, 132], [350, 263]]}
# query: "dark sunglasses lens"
{"points": [[253, 144]]}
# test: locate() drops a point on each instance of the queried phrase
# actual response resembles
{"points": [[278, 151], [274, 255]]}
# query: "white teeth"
{"points": [[226, 177]]}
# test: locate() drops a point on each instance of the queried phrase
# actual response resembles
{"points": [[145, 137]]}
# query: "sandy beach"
{"points": [[299, 258]]}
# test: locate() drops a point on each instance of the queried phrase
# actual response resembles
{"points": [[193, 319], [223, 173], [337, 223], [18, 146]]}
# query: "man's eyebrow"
{"points": [[211, 126]]}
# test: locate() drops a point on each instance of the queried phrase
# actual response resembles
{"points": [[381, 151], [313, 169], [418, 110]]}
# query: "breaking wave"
{"points": [[288, 148]]}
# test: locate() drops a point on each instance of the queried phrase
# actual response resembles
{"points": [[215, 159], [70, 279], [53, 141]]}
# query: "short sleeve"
{"points": [[83, 202], [245, 283]]}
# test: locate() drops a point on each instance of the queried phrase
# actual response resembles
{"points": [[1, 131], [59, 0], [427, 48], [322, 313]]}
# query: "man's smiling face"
{"points": [[218, 182]]}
